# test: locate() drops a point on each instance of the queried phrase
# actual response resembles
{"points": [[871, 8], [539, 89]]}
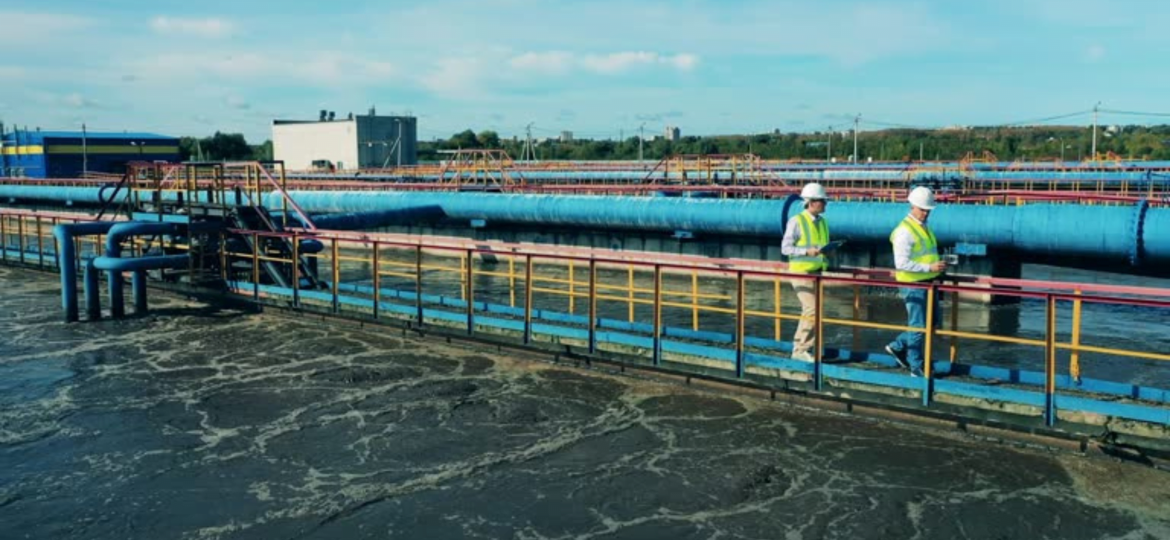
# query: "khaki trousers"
{"points": [[804, 339]]}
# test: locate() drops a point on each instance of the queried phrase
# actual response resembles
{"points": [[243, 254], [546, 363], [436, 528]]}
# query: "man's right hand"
{"points": [[940, 266], [813, 252]]}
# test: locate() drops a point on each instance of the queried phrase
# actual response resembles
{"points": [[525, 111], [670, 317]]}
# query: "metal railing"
{"points": [[616, 293], [660, 308]]}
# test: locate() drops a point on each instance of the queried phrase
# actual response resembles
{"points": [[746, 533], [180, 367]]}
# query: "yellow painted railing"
{"points": [[521, 276]]}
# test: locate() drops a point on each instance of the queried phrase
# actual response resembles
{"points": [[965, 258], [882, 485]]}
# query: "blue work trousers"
{"points": [[912, 342]]}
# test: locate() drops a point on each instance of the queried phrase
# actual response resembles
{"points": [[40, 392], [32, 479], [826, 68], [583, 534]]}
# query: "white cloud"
{"points": [[339, 66], [208, 27], [21, 26], [612, 63], [1084, 13], [545, 62], [319, 69], [459, 77], [617, 62], [73, 100], [12, 73], [525, 58], [237, 102], [79, 101], [473, 75], [1095, 53], [849, 32], [685, 62]]}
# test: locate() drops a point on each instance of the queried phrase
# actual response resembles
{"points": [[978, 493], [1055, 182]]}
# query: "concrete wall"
{"points": [[299, 144]]}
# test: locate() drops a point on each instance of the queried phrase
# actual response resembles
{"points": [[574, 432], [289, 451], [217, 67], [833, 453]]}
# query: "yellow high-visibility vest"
{"points": [[813, 233], [925, 250]]}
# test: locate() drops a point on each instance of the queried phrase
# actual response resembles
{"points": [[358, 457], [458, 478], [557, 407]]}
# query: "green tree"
{"points": [[262, 151], [489, 139], [464, 139], [1006, 143], [226, 147], [187, 148]]}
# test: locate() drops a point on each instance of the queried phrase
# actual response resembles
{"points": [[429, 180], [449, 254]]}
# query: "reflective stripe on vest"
{"points": [[925, 250], [813, 233]]}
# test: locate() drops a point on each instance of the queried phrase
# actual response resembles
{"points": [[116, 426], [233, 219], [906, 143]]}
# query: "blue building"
{"points": [[68, 154]]}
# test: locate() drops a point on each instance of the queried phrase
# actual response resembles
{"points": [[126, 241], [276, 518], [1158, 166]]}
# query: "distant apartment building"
{"points": [[672, 133]]}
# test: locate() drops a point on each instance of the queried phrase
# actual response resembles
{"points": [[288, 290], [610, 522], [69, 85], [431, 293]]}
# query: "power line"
{"points": [[896, 125], [1133, 113], [1045, 119]]}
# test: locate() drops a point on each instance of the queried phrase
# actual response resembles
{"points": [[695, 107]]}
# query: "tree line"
{"points": [[223, 147], [1005, 143]]}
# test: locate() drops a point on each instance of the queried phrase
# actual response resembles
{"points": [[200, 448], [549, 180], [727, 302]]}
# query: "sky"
{"points": [[598, 68]]}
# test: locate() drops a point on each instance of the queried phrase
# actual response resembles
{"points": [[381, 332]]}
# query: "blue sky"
{"points": [[599, 68]]}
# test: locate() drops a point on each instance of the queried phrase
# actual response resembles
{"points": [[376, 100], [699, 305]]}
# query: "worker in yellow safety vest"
{"points": [[916, 260], [805, 236]]}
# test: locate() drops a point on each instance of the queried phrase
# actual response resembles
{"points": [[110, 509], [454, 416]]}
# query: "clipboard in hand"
{"points": [[832, 246]]}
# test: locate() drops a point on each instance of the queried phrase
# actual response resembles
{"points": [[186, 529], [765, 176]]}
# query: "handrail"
{"points": [[624, 280], [855, 276], [659, 297]]}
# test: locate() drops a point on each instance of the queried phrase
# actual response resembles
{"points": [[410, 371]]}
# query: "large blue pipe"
{"points": [[115, 266], [1134, 234], [66, 258], [355, 221], [1101, 232], [118, 233]]}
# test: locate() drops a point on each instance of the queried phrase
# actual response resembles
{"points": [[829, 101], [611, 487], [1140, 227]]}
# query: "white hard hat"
{"points": [[813, 191], [922, 197]]}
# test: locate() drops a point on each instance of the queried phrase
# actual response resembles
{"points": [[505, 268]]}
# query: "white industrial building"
{"points": [[354, 142]]}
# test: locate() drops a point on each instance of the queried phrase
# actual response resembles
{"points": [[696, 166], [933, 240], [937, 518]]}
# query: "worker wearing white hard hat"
{"points": [[805, 236], [916, 260]]}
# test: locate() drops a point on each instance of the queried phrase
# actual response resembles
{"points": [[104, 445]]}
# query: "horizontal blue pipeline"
{"points": [[1138, 234], [1105, 233], [1135, 179]]}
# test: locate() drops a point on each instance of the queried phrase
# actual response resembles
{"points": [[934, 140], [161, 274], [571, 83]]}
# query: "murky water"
{"points": [[200, 423]]}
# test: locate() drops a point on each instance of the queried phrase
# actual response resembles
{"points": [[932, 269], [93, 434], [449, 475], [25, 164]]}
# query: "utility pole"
{"points": [[529, 153], [856, 121], [3, 165], [641, 139], [1095, 109], [84, 152], [920, 147], [829, 152], [398, 142]]}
